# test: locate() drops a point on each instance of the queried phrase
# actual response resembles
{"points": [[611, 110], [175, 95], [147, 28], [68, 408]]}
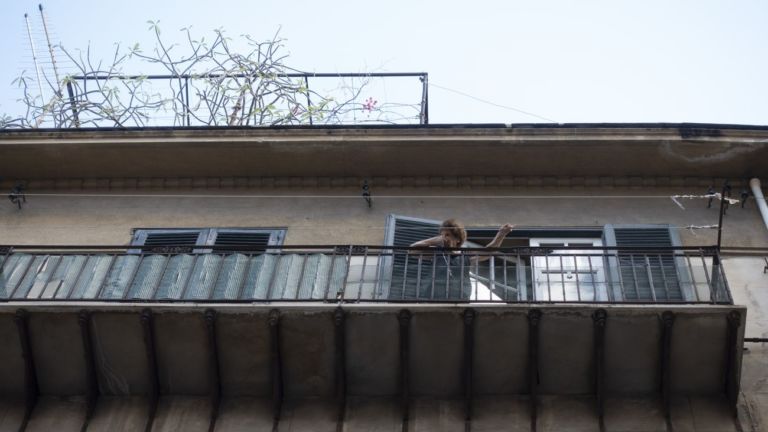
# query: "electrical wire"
{"points": [[431, 84], [357, 196]]}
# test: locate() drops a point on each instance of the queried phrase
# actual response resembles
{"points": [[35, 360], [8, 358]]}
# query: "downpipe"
{"points": [[759, 199]]}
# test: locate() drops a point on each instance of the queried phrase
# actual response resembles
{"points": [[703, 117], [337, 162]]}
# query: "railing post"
{"points": [[187, 104], [309, 101], [424, 116], [71, 93]]}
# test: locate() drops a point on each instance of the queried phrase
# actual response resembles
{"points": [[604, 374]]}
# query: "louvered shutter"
{"points": [[169, 240], [242, 240], [404, 231], [645, 276]]}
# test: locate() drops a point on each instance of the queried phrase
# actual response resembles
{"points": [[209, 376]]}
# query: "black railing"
{"points": [[247, 99], [352, 273]]}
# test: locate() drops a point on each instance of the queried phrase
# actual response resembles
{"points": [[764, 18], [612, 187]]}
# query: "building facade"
{"points": [[261, 279]]}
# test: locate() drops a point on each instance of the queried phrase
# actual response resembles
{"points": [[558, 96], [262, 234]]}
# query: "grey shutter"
{"points": [[246, 241], [172, 239], [404, 232], [647, 275], [168, 240]]}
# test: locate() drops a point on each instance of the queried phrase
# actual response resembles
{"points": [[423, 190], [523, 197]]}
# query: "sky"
{"points": [[488, 61]]}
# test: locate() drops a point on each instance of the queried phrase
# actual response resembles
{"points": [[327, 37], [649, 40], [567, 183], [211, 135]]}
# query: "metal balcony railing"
{"points": [[361, 274]]}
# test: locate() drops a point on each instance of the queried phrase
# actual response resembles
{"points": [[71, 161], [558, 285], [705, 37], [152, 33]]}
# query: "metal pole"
{"points": [[720, 221], [424, 99], [50, 49], [71, 93], [34, 59], [309, 102]]}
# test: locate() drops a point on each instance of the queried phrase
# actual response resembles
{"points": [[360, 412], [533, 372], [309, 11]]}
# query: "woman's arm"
{"points": [[436, 241], [496, 242]]}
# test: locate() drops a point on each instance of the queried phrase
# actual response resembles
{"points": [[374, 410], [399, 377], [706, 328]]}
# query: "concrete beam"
{"points": [[673, 150]]}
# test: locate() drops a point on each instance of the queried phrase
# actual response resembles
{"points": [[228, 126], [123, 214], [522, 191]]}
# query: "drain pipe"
{"points": [[759, 199]]}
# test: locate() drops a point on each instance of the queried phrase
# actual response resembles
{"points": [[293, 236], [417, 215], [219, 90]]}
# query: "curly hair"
{"points": [[455, 229]]}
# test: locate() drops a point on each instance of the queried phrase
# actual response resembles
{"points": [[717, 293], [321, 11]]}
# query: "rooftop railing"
{"points": [[353, 273], [109, 100]]}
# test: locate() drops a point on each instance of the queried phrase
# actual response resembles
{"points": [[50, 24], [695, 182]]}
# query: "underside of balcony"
{"points": [[368, 367]]}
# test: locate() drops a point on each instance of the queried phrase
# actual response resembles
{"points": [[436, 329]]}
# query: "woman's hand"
{"points": [[505, 229]]}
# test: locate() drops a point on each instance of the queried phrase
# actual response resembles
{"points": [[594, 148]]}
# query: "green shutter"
{"points": [[645, 275], [407, 231]]}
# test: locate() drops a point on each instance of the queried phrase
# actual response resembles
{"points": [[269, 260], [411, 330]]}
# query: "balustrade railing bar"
{"points": [[441, 275]]}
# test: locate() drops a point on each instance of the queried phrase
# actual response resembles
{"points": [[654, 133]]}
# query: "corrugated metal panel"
{"points": [[177, 272], [38, 264], [92, 277], [183, 276], [13, 270], [203, 277], [231, 277], [44, 276], [147, 277], [119, 276]]}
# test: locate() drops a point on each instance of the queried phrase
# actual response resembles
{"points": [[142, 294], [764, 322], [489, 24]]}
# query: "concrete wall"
{"points": [[335, 220]]}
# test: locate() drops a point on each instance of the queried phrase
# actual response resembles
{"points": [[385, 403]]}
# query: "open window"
{"points": [[566, 273]]}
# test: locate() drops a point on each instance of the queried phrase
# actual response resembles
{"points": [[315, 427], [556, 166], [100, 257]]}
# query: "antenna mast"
{"points": [[34, 58], [50, 49]]}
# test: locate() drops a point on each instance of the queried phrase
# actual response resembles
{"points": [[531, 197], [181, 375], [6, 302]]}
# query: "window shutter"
{"points": [[168, 240], [172, 239], [645, 276], [246, 241], [403, 232]]}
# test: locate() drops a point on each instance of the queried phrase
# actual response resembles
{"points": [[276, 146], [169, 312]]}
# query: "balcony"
{"points": [[363, 274], [331, 338]]}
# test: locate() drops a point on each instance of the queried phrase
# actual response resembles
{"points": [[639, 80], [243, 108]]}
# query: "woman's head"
{"points": [[453, 232]]}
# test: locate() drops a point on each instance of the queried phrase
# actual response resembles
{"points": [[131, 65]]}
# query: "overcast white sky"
{"points": [[571, 61]]}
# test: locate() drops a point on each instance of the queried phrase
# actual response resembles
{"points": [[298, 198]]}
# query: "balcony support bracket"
{"points": [[469, 342], [92, 388], [148, 329], [276, 367], [732, 378], [599, 318], [534, 319], [404, 319], [214, 367], [667, 321], [31, 390], [341, 367]]}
